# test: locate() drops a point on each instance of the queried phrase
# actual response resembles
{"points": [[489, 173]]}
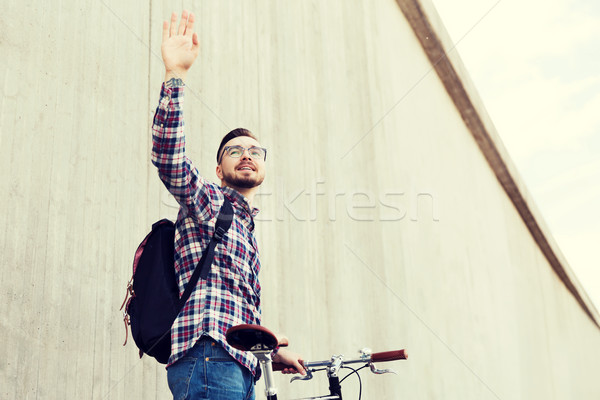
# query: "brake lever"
{"points": [[306, 377], [377, 371], [365, 354]]}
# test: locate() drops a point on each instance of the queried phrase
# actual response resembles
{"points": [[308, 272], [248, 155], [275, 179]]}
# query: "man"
{"points": [[202, 365]]}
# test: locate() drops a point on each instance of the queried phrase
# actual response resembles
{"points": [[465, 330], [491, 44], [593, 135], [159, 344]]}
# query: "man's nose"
{"points": [[246, 155]]}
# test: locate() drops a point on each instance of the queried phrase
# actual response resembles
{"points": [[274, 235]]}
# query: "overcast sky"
{"points": [[536, 65]]}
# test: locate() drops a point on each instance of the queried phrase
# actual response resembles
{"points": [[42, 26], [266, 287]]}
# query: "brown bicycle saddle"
{"points": [[253, 338]]}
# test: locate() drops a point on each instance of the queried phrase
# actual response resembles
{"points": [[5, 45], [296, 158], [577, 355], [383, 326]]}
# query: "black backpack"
{"points": [[152, 301]]}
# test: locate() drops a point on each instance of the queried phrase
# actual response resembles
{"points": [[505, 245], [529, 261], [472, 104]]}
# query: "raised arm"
{"points": [[179, 50]]}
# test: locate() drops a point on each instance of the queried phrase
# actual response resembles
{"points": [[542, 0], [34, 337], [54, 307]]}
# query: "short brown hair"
{"points": [[233, 134]]}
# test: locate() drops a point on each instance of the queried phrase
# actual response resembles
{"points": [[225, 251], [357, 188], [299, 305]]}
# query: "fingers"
{"points": [[186, 25], [195, 44], [300, 371], [165, 31], [299, 365], [296, 368], [189, 29], [173, 23], [183, 22]]}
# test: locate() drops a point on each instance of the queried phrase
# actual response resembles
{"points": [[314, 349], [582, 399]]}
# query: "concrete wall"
{"points": [[383, 223]]}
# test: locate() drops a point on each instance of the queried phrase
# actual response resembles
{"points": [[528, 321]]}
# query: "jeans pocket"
{"points": [[179, 376], [225, 374], [228, 380]]}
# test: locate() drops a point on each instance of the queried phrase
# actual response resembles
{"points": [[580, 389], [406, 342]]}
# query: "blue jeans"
{"points": [[207, 371]]}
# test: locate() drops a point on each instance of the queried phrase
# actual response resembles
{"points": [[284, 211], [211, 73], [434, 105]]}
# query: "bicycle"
{"points": [[261, 342]]}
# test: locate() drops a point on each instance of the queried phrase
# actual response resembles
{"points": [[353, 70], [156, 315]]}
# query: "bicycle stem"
{"points": [[332, 374]]}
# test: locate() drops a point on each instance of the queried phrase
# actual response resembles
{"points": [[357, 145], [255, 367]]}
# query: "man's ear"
{"points": [[219, 172]]}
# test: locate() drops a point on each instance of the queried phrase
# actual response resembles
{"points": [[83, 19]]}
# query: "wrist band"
{"points": [[275, 351]]}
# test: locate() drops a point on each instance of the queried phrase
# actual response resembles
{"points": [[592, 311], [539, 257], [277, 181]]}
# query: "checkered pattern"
{"points": [[231, 294]]}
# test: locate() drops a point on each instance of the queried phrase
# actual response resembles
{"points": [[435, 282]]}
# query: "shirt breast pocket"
{"points": [[240, 264]]}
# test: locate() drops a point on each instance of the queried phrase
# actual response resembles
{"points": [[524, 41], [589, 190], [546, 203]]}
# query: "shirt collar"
{"points": [[237, 198]]}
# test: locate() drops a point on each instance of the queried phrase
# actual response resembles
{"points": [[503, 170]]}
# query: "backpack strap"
{"points": [[201, 271]]}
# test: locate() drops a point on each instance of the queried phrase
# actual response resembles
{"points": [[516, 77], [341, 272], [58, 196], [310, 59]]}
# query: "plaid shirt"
{"points": [[231, 293]]}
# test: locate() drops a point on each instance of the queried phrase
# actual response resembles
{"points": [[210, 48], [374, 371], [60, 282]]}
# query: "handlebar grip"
{"points": [[279, 366], [389, 356]]}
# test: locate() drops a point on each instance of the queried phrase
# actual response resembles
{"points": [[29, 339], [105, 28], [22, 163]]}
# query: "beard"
{"points": [[242, 182]]}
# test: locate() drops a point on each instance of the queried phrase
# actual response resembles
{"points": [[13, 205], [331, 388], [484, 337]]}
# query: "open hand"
{"points": [[180, 45]]}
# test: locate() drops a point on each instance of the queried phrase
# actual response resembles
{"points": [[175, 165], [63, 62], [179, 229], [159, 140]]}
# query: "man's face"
{"points": [[244, 172]]}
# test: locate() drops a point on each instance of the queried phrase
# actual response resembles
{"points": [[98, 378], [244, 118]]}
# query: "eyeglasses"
{"points": [[237, 151]]}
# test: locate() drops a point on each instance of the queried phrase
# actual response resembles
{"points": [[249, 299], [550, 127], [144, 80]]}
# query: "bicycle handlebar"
{"points": [[375, 357]]}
